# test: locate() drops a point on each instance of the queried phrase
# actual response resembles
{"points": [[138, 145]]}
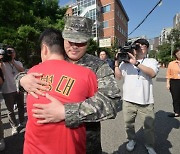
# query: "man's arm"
{"points": [[117, 71], [19, 66], [101, 106], [29, 83], [17, 80], [147, 70]]}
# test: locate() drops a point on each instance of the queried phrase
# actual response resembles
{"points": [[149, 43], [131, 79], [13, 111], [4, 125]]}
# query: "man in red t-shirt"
{"points": [[68, 83]]}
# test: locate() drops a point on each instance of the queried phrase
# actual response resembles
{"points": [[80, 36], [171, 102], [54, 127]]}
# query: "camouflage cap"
{"points": [[77, 29]]}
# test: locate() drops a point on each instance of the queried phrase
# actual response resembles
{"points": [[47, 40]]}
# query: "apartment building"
{"points": [[176, 21], [109, 17], [164, 34]]}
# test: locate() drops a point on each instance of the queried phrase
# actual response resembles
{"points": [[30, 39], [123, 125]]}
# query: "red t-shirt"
{"points": [[69, 83]]}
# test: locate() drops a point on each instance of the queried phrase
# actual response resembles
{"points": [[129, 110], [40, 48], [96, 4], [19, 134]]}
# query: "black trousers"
{"points": [[175, 92], [10, 99]]}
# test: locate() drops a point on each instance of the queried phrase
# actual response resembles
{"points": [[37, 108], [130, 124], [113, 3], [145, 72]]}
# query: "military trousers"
{"points": [[146, 112], [93, 138]]}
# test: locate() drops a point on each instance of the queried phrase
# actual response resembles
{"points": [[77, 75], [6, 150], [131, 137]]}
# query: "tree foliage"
{"points": [[93, 47], [164, 54], [165, 50], [174, 37], [152, 54], [23, 21]]}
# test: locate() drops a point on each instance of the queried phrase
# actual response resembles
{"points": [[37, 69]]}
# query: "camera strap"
{"points": [[12, 67]]}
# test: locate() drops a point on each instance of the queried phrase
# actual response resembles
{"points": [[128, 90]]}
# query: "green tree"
{"points": [[164, 53], [23, 21], [92, 47], [165, 50], [153, 54], [174, 37], [28, 47]]}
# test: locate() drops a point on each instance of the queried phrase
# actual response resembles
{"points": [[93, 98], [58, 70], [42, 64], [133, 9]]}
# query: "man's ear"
{"points": [[44, 49]]}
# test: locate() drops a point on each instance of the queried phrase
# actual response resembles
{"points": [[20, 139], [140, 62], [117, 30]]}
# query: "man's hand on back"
{"points": [[33, 85], [49, 113]]}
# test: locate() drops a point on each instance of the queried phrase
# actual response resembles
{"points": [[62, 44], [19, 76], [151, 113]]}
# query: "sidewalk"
{"points": [[14, 144]]}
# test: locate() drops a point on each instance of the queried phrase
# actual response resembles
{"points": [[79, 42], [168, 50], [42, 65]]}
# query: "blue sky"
{"points": [[161, 17]]}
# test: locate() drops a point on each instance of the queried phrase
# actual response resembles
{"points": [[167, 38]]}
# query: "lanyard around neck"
{"points": [[12, 67], [138, 70]]}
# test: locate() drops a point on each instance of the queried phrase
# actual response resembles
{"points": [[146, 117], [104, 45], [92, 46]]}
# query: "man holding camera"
{"points": [[10, 68], [138, 72]]}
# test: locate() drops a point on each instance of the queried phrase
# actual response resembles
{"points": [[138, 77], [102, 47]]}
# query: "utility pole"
{"points": [[158, 4]]}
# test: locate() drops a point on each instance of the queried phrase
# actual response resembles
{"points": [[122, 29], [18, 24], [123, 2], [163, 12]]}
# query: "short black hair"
{"points": [[175, 51], [142, 41], [53, 39], [9, 46]]}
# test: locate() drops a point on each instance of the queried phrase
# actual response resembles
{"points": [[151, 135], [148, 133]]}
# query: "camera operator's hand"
{"points": [[117, 62], [132, 59]]}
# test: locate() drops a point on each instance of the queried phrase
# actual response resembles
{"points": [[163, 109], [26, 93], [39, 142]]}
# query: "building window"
{"points": [[105, 24], [106, 8]]}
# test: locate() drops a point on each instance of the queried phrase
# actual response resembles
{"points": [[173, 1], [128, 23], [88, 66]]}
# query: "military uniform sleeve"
{"points": [[101, 106], [17, 80]]}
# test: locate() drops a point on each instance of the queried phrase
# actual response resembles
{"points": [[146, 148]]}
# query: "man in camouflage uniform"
{"points": [[101, 106]]}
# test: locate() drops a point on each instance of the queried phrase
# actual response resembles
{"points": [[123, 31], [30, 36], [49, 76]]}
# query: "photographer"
{"points": [[10, 68], [138, 72]]}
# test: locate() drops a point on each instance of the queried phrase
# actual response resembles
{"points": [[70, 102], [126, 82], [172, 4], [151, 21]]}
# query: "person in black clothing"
{"points": [[104, 56], [2, 143]]}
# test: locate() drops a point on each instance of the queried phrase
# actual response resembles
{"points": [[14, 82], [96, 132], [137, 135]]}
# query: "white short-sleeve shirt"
{"points": [[138, 87]]}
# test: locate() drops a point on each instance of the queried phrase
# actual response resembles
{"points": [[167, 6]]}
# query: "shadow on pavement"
{"points": [[163, 127]]}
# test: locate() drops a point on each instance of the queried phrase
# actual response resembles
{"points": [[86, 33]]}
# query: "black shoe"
{"points": [[173, 115]]}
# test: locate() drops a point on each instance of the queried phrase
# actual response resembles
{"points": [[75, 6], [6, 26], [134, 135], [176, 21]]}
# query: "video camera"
{"points": [[6, 55], [129, 48]]}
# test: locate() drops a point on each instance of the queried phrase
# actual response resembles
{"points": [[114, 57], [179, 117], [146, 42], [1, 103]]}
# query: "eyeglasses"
{"points": [[78, 44]]}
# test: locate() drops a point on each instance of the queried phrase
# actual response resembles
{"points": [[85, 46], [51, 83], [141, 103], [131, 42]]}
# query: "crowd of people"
{"points": [[65, 107]]}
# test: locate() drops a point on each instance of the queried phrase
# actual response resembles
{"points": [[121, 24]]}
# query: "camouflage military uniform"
{"points": [[100, 107], [97, 108]]}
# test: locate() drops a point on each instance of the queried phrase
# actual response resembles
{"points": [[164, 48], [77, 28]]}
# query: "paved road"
{"points": [[167, 130]]}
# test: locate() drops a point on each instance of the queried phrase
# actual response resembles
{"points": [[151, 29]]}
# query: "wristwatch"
{"points": [[137, 63]]}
